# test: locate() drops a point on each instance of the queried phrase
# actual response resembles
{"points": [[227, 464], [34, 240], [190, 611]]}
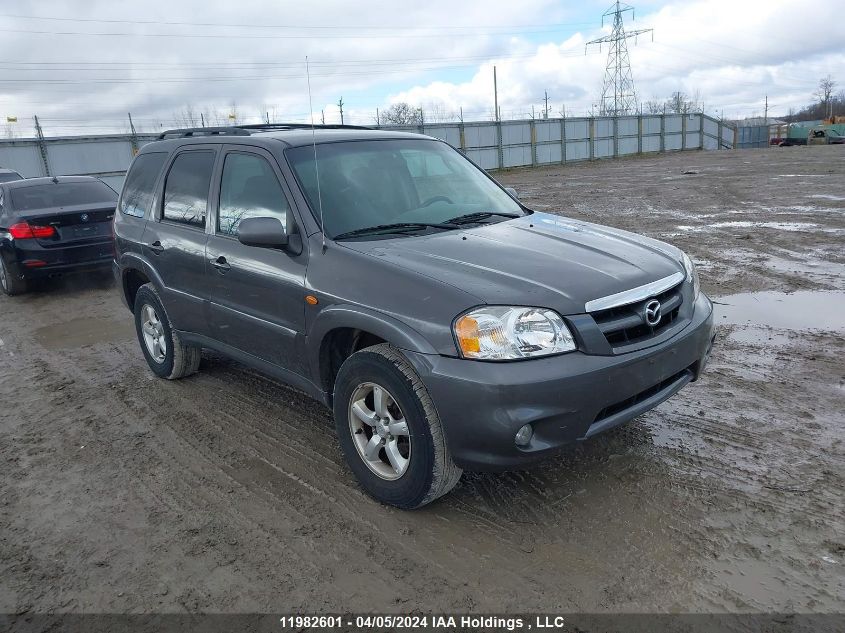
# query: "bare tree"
{"points": [[824, 94], [654, 107], [681, 103], [401, 114], [187, 117]]}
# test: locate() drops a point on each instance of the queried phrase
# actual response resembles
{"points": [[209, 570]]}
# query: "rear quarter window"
{"points": [[140, 183]]}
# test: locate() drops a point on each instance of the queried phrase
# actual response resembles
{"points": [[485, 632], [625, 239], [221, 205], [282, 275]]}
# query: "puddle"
{"points": [[759, 336], [825, 196], [82, 332], [814, 268], [806, 309], [745, 224]]}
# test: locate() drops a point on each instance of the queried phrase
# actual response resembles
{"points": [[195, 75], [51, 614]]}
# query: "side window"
{"points": [[249, 189], [186, 188], [138, 189]]}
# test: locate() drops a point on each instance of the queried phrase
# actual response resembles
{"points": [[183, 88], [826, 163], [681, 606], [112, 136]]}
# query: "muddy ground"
{"points": [[226, 491]]}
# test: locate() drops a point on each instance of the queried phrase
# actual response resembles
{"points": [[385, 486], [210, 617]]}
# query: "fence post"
{"points": [[563, 140], [662, 133], [639, 133], [463, 140], [719, 131], [592, 133], [533, 129], [701, 131], [501, 149], [615, 136], [42, 147], [684, 131]]}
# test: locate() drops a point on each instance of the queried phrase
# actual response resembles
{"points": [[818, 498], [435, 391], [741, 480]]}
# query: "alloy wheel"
{"points": [[153, 332], [379, 431]]}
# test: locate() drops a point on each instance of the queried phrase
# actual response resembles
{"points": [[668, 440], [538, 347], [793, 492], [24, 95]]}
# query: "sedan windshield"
{"points": [[401, 183]]}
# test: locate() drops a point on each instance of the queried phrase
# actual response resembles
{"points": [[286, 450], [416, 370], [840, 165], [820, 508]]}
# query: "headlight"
{"points": [[509, 333], [692, 276]]}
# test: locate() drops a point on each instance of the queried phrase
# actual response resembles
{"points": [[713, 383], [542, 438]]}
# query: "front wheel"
{"points": [[389, 430]]}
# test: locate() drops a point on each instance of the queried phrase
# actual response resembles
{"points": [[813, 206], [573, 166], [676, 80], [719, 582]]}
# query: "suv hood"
{"points": [[539, 260]]}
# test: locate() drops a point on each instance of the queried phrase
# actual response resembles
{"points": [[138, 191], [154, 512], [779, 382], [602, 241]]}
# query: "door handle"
{"points": [[156, 247], [220, 264]]}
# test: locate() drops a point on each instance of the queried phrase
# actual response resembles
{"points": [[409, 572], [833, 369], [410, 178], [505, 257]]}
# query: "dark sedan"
{"points": [[50, 226], [7, 175]]}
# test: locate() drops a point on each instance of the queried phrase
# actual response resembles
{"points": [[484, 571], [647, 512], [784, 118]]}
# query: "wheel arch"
{"points": [[340, 331]]}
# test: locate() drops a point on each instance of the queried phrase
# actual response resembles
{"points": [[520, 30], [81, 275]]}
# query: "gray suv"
{"points": [[448, 326]]}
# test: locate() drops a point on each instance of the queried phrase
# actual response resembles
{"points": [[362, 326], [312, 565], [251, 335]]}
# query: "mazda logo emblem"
{"points": [[84, 217], [652, 312]]}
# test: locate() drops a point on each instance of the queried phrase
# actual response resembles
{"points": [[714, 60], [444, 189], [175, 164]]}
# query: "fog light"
{"points": [[524, 435]]}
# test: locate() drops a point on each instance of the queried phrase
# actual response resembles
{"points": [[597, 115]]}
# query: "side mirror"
{"points": [[266, 232], [512, 193]]}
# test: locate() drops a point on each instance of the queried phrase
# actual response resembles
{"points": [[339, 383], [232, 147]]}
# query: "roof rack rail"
{"points": [[203, 131], [301, 126]]}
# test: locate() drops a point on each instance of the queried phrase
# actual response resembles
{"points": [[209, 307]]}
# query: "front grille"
{"points": [[626, 325], [643, 395]]}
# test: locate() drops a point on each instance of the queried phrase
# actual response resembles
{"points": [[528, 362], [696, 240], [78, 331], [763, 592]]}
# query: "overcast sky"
{"points": [[81, 66]]}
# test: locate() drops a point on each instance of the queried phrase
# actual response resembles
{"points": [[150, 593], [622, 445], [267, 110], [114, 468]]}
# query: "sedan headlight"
{"points": [[510, 333], [692, 276]]}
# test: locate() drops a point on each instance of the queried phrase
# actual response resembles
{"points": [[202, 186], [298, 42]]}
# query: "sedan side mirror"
{"points": [[512, 192], [266, 232]]}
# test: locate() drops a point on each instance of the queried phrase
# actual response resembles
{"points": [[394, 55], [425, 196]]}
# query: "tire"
{"points": [[170, 358], [429, 471], [10, 284]]}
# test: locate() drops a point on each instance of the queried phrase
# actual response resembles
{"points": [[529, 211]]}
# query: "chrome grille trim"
{"points": [[634, 295]]}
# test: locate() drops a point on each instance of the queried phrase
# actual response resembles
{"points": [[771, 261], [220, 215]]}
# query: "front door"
{"points": [[257, 294]]}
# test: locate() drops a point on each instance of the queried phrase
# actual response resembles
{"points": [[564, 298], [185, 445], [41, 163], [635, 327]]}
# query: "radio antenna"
{"points": [[314, 143]]}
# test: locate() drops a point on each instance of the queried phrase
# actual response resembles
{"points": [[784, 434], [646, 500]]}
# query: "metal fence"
{"points": [[505, 144], [491, 144], [748, 137]]}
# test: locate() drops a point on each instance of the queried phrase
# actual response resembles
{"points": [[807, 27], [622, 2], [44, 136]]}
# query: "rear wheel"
{"points": [[11, 284], [389, 430], [166, 355]]}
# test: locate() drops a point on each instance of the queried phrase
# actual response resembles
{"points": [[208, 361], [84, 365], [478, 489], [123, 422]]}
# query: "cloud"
{"points": [[86, 66], [732, 54]]}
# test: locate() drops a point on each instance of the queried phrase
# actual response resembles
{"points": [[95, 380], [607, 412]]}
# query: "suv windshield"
{"points": [[62, 194], [409, 182]]}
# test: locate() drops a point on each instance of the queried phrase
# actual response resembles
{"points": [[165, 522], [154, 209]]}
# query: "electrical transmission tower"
{"points": [[618, 96]]}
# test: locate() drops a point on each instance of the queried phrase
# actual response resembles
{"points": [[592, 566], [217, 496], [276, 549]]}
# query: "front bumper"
{"points": [[566, 398]]}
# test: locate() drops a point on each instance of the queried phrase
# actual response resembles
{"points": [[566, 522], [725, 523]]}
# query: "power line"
{"points": [[358, 27]]}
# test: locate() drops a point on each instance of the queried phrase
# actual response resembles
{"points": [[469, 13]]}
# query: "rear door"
{"points": [[257, 294], [174, 240]]}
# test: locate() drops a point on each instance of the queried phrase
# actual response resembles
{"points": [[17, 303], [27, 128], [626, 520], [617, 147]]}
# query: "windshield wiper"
{"points": [[398, 227], [469, 218]]}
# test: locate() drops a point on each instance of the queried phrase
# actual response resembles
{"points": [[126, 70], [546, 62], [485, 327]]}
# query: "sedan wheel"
{"points": [[379, 431]]}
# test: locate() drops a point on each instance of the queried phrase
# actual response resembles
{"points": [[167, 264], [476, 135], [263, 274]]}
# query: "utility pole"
{"points": [[495, 94], [133, 138], [202, 119], [546, 111], [618, 96], [267, 117], [461, 115], [340, 105], [323, 116], [378, 122], [766, 115], [42, 147]]}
